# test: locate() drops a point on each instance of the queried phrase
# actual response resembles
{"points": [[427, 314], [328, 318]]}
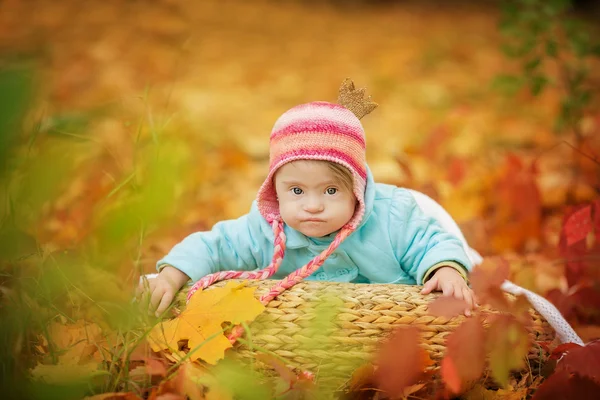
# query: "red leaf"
{"points": [[562, 385], [465, 354], [583, 361], [400, 361], [559, 351], [447, 307], [486, 280], [577, 225], [586, 304]]}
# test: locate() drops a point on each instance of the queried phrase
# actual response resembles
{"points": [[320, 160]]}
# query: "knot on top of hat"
{"points": [[354, 99]]}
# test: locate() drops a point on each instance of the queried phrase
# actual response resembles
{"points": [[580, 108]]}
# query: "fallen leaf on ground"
{"points": [[200, 323], [76, 343]]}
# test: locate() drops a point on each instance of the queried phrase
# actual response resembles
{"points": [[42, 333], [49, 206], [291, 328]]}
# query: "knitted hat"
{"points": [[320, 131], [313, 131]]}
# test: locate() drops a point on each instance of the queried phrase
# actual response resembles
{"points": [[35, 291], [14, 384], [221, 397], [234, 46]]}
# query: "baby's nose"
{"points": [[313, 205]]}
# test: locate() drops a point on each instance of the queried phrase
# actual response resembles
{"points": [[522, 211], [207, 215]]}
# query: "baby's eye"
{"points": [[331, 190], [296, 190]]}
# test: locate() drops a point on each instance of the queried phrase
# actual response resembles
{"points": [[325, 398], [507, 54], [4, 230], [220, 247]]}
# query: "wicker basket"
{"points": [[331, 328]]}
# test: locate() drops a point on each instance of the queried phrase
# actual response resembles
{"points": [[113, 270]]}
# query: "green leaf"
{"points": [[537, 84], [508, 84], [551, 48], [531, 65], [508, 345]]}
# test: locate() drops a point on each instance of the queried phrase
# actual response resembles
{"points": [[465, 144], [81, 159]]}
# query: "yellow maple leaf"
{"points": [[200, 323]]}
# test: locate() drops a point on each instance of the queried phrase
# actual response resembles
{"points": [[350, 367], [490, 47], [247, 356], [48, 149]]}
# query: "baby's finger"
{"points": [[430, 285], [447, 289], [458, 293], [164, 303], [469, 297]]}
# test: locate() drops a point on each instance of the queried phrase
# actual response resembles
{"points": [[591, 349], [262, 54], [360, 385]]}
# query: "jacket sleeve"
{"points": [[420, 243], [230, 245]]}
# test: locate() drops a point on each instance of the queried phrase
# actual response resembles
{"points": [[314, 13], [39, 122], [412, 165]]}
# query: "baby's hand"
{"points": [[161, 290], [451, 283]]}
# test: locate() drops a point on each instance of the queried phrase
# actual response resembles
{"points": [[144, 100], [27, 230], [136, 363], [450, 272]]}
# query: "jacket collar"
{"points": [[296, 240]]}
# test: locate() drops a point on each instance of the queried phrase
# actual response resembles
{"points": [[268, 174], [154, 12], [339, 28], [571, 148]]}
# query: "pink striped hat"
{"points": [[316, 131]]}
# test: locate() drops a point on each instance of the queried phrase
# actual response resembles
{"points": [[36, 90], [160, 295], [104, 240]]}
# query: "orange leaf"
{"points": [[200, 323], [155, 367], [450, 375], [465, 355], [362, 377], [400, 361], [486, 280], [447, 307]]}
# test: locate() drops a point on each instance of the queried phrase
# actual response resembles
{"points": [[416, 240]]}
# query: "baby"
{"points": [[320, 215]]}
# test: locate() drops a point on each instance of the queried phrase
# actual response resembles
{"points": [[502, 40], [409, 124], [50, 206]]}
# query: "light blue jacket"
{"points": [[395, 243]]}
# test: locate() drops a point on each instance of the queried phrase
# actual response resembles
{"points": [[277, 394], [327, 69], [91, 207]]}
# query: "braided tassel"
{"points": [[266, 273], [306, 270], [295, 277]]}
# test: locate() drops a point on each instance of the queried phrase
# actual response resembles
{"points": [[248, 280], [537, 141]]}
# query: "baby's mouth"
{"points": [[313, 220]]}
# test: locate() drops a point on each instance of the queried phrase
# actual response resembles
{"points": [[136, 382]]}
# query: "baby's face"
{"points": [[311, 198]]}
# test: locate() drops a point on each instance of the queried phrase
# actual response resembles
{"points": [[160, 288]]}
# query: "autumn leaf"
{"points": [[447, 307], [577, 225], [76, 343], [200, 323], [560, 350], [563, 385], [486, 280], [583, 361], [193, 382], [508, 345], [465, 355], [400, 361]]}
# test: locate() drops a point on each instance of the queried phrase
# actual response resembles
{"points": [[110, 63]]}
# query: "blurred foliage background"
{"points": [[126, 125]]}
